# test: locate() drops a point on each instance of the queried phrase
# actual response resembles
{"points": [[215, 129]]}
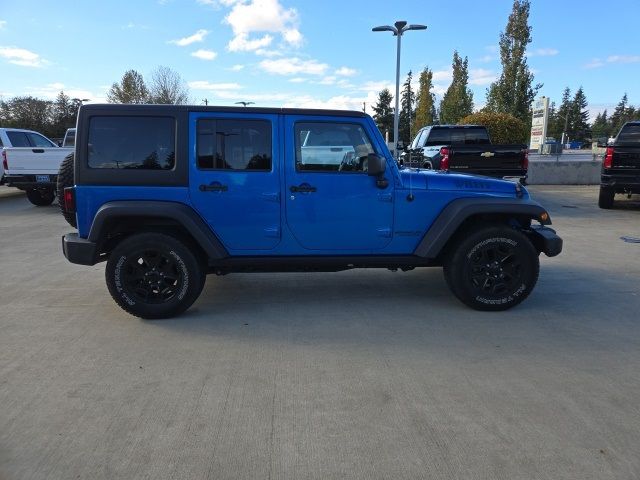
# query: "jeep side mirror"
{"points": [[376, 165]]}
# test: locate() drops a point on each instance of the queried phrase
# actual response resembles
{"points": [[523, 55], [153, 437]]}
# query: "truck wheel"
{"points": [[493, 268], [41, 197], [65, 179], [153, 275], [605, 199]]}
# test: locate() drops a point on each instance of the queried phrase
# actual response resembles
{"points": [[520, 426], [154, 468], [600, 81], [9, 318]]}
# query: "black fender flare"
{"points": [[456, 212], [182, 214]]}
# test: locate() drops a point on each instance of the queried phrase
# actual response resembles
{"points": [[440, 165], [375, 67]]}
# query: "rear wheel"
{"points": [[605, 199], [493, 268], [65, 179], [153, 275], [41, 197]]}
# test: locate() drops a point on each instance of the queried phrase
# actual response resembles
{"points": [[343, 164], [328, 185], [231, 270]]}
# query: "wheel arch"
{"points": [[466, 213], [117, 220]]}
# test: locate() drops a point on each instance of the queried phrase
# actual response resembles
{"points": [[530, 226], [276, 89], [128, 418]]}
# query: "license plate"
{"points": [[42, 178]]}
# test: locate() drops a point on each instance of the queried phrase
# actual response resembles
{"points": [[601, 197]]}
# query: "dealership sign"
{"points": [[539, 123]]}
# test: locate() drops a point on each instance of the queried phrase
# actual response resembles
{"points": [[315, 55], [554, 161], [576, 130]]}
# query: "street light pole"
{"points": [[398, 29]]}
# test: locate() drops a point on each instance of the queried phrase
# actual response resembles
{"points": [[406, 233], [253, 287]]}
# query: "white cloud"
{"points": [[598, 62], [196, 37], [297, 80], [263, 52], [623, 59], [3, 23], [293, 66], [293, 37], [204, 54], [241, 43], [258, 16], [51, 91], [480, 76], [236, 68], [330, 80], [543, 52], [22, 57], [346, 72], [486, 59], [594, 63], [377, 86], [443, 75], [206, 85]]}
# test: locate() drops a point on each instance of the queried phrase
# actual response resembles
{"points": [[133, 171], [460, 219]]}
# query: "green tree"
{"points": [[31, 113], [619, 114], [514, 92], [383, 112], [503, 128], [579, 117], [560, 117], [131, 89], [458, 99], [64, 113], [168, 87], [407, 113], [601, 130], [425, 100]]}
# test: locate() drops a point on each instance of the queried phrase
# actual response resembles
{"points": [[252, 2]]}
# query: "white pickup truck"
{"points": [[30, 162]]}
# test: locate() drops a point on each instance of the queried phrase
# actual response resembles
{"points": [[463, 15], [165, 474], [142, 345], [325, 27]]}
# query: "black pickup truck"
{"points": [[465, 149], [621, 165]]}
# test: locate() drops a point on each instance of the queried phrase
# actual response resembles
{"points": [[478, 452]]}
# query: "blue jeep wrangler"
{"points": [[168, 194]]}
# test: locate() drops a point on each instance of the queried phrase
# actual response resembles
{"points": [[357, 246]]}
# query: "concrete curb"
{"points": [[564, 173]]}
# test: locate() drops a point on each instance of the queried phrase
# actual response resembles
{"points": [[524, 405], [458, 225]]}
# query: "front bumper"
{"points": [[79, 250], [546, 240]]}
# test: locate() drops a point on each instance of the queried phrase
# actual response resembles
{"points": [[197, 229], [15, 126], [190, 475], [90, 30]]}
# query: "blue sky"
{"points": [[309, 53]]}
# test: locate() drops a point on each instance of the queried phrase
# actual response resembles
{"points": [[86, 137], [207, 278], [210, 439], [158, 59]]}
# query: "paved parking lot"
{"points": [[360, 374]]}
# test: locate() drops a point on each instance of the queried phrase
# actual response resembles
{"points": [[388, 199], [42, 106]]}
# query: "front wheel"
{"points": [[153, 275], [493, 268], [41, 197]]}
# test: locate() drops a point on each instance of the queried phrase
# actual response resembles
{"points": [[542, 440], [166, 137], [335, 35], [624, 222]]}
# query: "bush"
{"points": [[503, 128]]}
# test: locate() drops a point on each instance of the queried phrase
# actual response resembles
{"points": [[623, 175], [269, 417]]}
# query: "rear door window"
{"points": [[225, 144], [132, 142]]}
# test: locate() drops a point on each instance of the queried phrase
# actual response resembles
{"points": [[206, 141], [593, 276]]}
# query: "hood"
{"points": [[436, 180]]}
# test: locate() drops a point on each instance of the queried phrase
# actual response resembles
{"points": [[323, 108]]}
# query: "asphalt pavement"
{"points": [[365, 374]]}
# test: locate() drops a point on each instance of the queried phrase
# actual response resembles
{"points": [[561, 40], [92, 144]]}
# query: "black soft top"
{"points": [[115, 107]]}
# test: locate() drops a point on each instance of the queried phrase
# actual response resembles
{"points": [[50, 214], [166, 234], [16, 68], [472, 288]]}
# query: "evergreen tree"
{"points": [[600, 130], [407, 113], [425, 100], [383, 112], [560, 119], [514, 92], [458, 99], [64, 112], [131, 89], [619, 115], [579, 117]]}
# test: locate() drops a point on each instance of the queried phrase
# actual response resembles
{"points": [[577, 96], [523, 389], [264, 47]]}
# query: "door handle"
{"points": [[302, 188], [213, 187], [37, 150]]}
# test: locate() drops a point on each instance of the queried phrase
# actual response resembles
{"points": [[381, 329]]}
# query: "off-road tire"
{"points": [[605, 199], [153, 275], [41, 197], [492, 268], [65, 179]]}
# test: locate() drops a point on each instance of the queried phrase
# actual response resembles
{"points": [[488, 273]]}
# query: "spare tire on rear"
{"points": [[65, 179]]}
